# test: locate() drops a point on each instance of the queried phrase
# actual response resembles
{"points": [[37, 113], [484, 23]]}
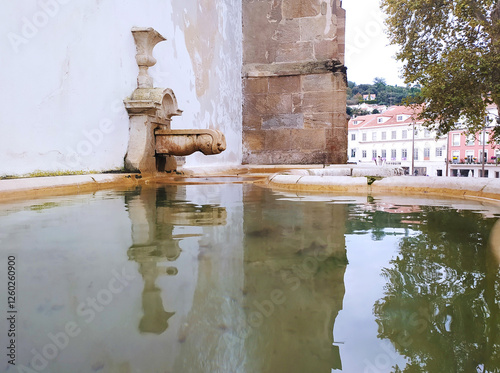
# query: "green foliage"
{"points": [[451, 48], [386, 94], [441, 304], [355, 112]]}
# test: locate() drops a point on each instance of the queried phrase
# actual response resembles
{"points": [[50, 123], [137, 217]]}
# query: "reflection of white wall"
{"points": [[68, 65], [67, 249]]}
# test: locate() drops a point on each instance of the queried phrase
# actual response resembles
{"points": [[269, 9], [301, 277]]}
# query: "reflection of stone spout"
{"points": [[155, 318], [186, 142]]}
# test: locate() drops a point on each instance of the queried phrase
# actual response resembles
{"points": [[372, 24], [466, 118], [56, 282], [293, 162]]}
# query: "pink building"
{"points": [[466, 154]]}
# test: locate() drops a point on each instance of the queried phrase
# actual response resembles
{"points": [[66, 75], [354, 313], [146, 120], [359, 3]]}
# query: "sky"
{"points": [[368, 53]]}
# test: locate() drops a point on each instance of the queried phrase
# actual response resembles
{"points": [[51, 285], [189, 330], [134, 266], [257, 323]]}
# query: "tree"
{"points": [[451, 48], [441, 303]]}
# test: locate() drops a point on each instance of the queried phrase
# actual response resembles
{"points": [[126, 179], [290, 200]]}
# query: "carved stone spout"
{"points": [[186, 142], [152, 145]]}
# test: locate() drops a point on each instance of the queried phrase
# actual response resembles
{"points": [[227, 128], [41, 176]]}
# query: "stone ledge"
{"points": [[486, 189], [293, 68], [25, 188]]}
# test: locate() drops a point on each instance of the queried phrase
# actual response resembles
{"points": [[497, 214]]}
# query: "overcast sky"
{"points": [[368, 54]]}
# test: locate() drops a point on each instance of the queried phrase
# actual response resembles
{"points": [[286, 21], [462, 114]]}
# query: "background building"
{"points": [[466, 151], [392, 138], [394, 135]]}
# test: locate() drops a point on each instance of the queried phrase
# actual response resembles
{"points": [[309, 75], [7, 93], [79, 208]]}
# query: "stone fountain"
{"points": [[152, 144]]}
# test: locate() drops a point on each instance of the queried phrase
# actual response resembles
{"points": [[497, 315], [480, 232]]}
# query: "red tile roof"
{"points": [[370, 121]]}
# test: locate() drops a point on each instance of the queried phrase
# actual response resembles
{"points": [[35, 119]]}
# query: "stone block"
{"points": [[279, 104], [251, 121], [300, 51], [275, 13], [258, 158], [318, 120], [339, 103], [279, 139], [284, 84], [257, 32], [318, 82], [301, 8], [255, 86], [253, 140], [316, 29], [255, 104], [339, 120], [308, 139], [283, 121], [297, 102], [316, 102], [294, 157], [326, 49], [287, 31]]}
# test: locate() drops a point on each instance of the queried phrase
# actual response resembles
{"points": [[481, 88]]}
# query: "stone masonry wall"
{"points": [[294, 82]]}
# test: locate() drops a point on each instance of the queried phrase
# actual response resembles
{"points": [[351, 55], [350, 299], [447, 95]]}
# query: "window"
{"points": [[374, 154], [355, 122], [456, 139], [486, 135], [380, 120], [470, 140], [374, 136], [415, 154], [353, 153], [353, 137], [469, 154], [393, 135], [455, 156], [497, 175], [427, 154], [399, 118], [415, 132], [363, 153], [485, 157], [439, 152], [404, 134], [384, 153], [393, 154], [364, 136], [404, 154], [427, 133], [384, 135]]}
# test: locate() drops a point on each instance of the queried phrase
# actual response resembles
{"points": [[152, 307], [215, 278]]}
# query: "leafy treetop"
{"points": [[451, 48]]}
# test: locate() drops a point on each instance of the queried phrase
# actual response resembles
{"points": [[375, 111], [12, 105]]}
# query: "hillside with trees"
{"points": [[385, 94]]}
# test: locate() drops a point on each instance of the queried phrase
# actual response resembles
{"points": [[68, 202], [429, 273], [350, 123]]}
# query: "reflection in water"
{"points": [[154, 214], [237, 278], [294, 283], [440, 308]]}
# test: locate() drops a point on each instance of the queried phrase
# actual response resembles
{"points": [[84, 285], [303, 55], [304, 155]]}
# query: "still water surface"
{"points": [[236, 278]]}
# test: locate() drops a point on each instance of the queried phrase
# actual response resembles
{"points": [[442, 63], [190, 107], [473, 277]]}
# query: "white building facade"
{"points": [[393, 138]]}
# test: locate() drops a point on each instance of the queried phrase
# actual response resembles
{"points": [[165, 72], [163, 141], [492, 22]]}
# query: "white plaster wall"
{"points": [[67, 65]]}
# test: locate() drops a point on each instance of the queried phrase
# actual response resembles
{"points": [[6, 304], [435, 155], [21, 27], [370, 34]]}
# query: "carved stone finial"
{"points": [[145, 40]]}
